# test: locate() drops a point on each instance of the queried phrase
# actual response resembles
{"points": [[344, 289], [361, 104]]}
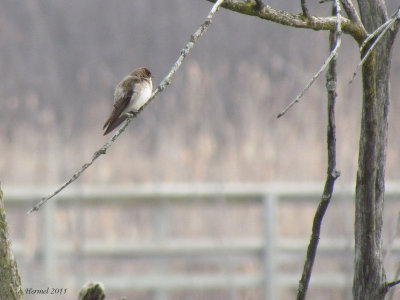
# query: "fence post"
{"points": [[161, 229], [270, 228], [49, 242]]}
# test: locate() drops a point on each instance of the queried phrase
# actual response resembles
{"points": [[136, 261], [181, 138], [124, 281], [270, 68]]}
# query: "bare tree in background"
{"points": [[375, 32]]}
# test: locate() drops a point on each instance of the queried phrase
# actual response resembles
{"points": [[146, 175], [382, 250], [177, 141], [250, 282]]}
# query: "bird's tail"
{"points": [[114, 124]]}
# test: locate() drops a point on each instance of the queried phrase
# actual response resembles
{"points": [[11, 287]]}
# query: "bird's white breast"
{"points": [[140, 97]]}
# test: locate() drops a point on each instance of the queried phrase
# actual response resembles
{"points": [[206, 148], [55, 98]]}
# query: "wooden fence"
{"points": [[271, 248]]}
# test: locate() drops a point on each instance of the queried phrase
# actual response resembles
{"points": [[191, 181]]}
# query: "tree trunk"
{"points": [[10, 282], [369, 275]]}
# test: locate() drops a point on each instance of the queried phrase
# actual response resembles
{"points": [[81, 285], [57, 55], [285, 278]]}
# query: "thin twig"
{"points": [[375, 33], [164, 83], [384, 288], [95, 156], [393, 283], [332, 55], [378, 34], [332, 173], [396, 278]]}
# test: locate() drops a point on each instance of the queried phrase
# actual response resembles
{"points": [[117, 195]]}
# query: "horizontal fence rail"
{"points": [[272, 248]]}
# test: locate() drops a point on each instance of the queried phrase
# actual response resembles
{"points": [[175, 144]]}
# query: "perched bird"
{"points": [[129, 96]]}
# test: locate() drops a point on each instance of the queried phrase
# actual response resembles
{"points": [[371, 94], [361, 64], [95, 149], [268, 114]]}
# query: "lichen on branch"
{"points": [[294, 20]]}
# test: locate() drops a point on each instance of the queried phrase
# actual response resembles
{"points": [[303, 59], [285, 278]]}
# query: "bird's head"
{"points": [[142, 72]]}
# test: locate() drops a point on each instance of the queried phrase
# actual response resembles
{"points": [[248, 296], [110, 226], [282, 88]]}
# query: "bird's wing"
{"points": [[122, 97], [119, 107], [115, 123]]}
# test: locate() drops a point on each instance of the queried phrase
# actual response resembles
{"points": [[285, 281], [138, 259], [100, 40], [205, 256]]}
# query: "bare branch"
{"points": [[373, 35], [294, 20], [185, 51], [332, 173], [378, 34], [388, 23], [384, 288], [352, 13], [393, 283], [396, 278], [331, 56], [95, 156], [164, 83], [304, 8]]}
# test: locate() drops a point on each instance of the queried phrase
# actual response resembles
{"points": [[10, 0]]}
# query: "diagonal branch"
{"points": [[332, 173], [393, 283], [378, 34], [95, 156], [384, 288], [396, 278], [352, 13], [164, 83], [331, 56]]}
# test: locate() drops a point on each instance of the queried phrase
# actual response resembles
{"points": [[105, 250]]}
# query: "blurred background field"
{"points": [[215, 125]]}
